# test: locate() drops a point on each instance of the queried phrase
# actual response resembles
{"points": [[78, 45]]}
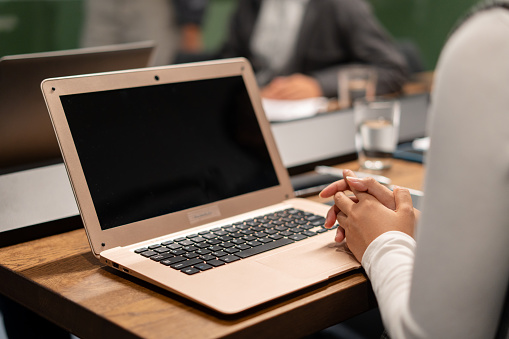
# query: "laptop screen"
{"points": [[149, 151]]}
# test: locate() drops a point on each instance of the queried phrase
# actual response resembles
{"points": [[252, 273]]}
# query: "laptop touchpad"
{"points": [[310, 259]]}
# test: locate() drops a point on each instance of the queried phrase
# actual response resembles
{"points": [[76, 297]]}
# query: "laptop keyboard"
{"points": [[222, 245]]}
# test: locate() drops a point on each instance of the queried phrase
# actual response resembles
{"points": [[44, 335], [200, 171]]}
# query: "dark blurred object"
{"points": [[311, 183], [26, 133], [412, 55], [22, 323]]}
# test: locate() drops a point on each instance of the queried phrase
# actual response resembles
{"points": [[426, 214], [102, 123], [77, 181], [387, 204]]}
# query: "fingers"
{"points": [[340, 234], [337, 186], [330, 218], [364, 186], [343, 203], [403, 200]]}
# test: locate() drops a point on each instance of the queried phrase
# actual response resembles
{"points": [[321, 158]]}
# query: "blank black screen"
{"points": [[149, 151]]}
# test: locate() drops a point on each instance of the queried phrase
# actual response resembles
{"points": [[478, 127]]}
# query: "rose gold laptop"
{"points": [[26, 134], [179, 183]]}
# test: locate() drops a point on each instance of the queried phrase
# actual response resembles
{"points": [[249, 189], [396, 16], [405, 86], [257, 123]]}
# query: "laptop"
{"points": [[26, 134], [179, 182]]}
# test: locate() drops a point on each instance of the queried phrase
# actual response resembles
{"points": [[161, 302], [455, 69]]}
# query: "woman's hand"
{"points": [[354, 184], [368, 186], [365, 220]]}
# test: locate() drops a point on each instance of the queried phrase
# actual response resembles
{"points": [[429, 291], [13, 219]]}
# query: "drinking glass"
{"points": [[356, 82], [376, 134]]}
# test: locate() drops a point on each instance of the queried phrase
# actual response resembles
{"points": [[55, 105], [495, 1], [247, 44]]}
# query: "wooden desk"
{"points": [[59, 278]]}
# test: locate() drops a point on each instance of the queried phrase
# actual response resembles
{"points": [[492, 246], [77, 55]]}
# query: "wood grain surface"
{"points": [[59, 278]]}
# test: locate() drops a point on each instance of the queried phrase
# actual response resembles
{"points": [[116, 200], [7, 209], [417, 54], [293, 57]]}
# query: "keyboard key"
{"points": [[139, 250], [190, 270], [243, 247], [151, 247], [186, 263], [191, 236], [161, 249], [203, 251], [254, 243], [231, 250], [159, 257], [178, 252], [203, 267], [230, 258], [265, 240], [191, 255], [148, 253], [219, 253], [174, 246], [179, 239], [198, 239], [207, 257], [297, 237], [264, 248], [186, 242], [275, 236], [183, 264], [309, 233], [215, 262], [227, 245], [172, 261], [225, 238], [202, 245]]}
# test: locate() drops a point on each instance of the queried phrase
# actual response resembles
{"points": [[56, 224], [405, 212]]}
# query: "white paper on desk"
{"points": [[284, 110]]}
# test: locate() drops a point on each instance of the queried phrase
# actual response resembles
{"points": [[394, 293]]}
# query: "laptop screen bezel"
{"points": [[135, 232]]}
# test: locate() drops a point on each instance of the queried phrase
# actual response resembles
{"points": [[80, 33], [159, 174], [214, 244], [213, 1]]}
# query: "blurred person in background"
{"points": [[174, 25], [297, 47]]}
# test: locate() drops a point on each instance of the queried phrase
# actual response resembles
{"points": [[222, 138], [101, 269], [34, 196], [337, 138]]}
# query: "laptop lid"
{"points": [[26, 134], [154, 151]]}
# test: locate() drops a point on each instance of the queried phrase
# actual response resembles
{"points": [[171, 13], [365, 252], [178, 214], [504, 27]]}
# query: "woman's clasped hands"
{"points": [[373, 210]]}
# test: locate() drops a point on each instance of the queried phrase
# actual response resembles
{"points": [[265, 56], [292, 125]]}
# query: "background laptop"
{"points": [[26, 134], [179, 182]]}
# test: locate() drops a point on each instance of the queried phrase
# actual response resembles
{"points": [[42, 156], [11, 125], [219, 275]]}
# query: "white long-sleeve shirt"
{"points": [[451, 281]]}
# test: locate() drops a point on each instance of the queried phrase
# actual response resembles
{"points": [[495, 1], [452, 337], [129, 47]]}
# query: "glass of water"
{"points": [[355, 82], [376, 134]]}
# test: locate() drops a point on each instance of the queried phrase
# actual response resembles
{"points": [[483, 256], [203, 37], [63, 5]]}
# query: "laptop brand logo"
{"points": [[204, 214]]}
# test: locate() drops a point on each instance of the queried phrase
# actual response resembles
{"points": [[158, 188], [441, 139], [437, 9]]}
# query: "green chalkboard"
{"points": [[39, 25], [427, 23]]}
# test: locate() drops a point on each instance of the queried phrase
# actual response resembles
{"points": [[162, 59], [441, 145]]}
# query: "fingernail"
{"points": [[354, 180]]}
